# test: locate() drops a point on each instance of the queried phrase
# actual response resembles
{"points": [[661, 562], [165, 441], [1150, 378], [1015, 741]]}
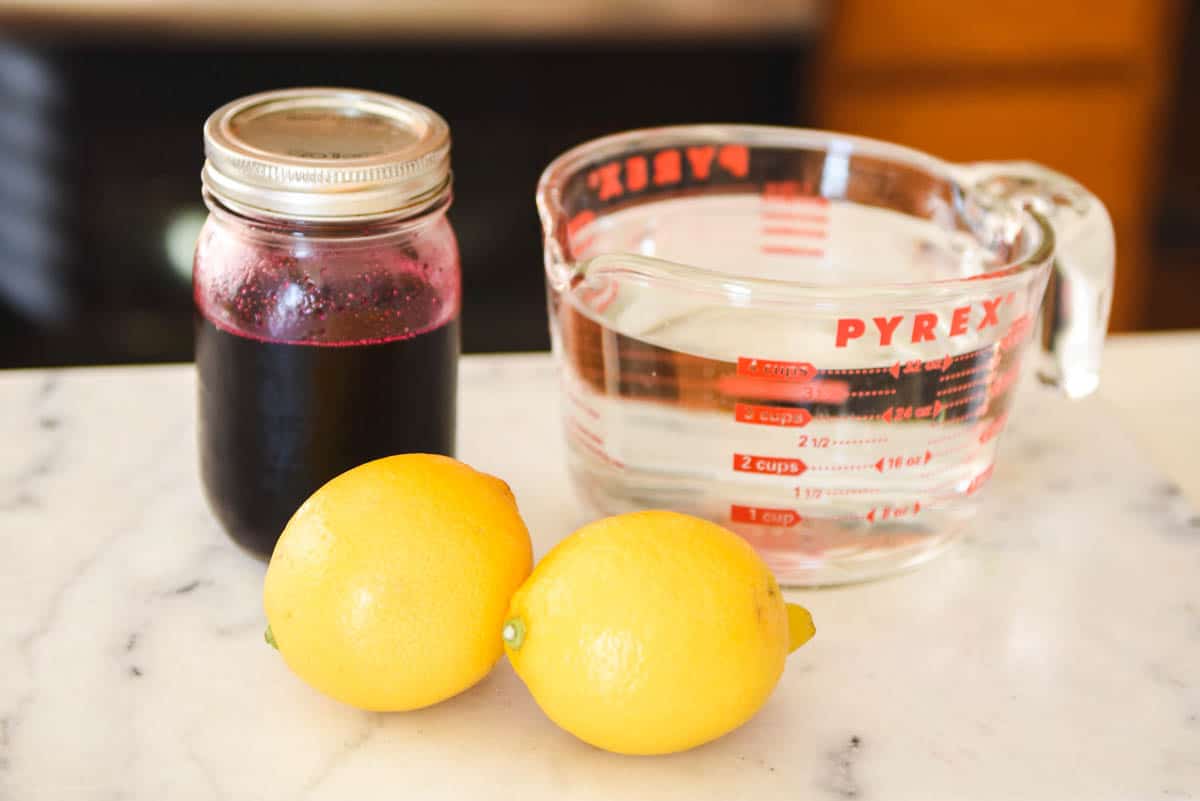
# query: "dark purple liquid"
{"points": [[279, 420]]}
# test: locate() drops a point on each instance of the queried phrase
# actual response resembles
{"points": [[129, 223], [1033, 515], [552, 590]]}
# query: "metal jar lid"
{"points": [[326, 154]]}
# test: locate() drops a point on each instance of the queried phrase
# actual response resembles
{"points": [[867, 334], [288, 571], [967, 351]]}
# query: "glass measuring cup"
{"points": [[809, 337]]}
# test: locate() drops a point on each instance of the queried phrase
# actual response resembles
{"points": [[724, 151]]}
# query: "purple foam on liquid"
{"points": [[292, 290]]}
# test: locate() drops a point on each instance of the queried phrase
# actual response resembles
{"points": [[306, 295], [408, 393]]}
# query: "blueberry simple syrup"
{"points": [[279, 420], [327, 291]]}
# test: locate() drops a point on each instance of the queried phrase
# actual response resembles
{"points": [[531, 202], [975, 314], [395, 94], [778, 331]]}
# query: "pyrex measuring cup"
{"points": [[811, 338]]}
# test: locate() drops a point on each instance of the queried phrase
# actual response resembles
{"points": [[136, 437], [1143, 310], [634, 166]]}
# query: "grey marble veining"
{"points": [[1053, 654]]}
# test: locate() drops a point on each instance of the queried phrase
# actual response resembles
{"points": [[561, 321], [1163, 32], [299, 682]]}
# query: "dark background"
{"points": [[101, 147], [125, 122]]}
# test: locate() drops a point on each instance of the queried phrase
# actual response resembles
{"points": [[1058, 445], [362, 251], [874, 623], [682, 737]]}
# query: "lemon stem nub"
{"points": [[800, 626], [513, 633], [269, 636]]}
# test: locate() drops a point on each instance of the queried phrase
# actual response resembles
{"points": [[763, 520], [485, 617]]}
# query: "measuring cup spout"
{"points": [[1079, 295]]}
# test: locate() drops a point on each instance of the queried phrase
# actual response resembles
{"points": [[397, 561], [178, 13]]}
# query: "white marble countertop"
{"points": [[1054, 654]]}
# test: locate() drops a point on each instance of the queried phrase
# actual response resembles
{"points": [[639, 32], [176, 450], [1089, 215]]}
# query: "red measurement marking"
{"points": [[872, 393], [898, 462], [768, 465], [796, 372], [601, 453], [791, 192], [783, 190], [583, 406], [795, 216], [864, 491], [586, 434], [961, 401], [962, 356], [784, 250], [961, 373], [733, 386], [785, 230], [858, 371], [813, 442], [936, 365], [841, 467], [894, 414], [892, 512], [771, 415], [761, 516], [909, 367], [598, 451], [870, 441], [950, 390]]}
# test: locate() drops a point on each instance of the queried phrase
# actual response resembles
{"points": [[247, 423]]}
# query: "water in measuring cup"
{"points": [[838, 462]]}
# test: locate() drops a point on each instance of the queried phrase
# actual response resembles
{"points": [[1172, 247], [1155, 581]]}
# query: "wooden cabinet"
{"points": [[1079, 86]]}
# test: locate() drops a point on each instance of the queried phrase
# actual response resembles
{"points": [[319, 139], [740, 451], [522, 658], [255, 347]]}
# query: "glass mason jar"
{"points": [[327, 293]]}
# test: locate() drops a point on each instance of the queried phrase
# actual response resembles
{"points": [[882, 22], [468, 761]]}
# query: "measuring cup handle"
{"points": [[1079, 296]]}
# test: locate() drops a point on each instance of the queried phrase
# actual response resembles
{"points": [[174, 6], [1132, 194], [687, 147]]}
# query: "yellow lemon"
{"points": [[651, 632], [389, 584]]}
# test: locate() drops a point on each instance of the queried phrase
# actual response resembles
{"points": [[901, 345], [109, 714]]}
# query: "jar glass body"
{"points": [[318, 348]]}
